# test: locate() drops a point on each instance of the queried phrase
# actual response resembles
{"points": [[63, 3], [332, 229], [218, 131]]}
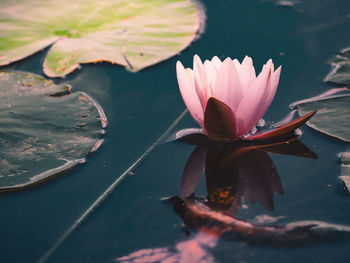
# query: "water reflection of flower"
{"points": [[233, 172], [242, 169]]}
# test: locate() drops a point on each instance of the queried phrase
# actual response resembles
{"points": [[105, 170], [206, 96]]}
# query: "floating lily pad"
{"points": [[345, 169], [132, 33], [332, 117], [340, 71], [44, 128]]}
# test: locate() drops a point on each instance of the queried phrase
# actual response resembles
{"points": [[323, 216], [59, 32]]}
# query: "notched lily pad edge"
{"points": [[50, 42], [201, 26]]}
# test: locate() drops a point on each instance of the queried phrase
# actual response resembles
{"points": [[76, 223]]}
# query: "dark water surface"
{"points": [[140, 106]]}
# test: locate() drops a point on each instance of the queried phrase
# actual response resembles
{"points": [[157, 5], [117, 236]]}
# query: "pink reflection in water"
{"points": [[194, 250]]}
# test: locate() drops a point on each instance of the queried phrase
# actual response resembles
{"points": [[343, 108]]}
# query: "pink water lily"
{"points": [[227, 99], [233, 83]]}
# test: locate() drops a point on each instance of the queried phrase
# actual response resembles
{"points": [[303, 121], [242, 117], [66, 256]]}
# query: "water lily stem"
{"points": [[109, 190]]}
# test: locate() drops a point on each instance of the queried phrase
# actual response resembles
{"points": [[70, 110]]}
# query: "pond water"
{"points": [[141, 106]]}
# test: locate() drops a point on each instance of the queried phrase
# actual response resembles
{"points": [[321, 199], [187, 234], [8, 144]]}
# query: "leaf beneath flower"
{"points": [[131, 33], [45, 129], [333, 115], [340, 71]]}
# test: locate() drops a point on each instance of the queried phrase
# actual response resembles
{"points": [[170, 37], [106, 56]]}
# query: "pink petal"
{"points": [[198, 79], [247, 74], [216, 63], [227, 86], [209, 76], [272, 89], [250, 107], [189, 94], [267, 97], [237, 65]]}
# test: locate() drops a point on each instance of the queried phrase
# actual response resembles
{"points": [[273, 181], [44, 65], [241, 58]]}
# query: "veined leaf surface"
{"points": [[132, 33]]}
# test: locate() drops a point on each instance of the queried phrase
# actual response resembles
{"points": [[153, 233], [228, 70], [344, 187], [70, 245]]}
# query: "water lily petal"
{"points": [[247, 73], [209, 77], [216, 62], [227, 86], [190, 74], [189, 94], [248, 109], [198, 79], [237, 64], [272, 89], [267, 97]]}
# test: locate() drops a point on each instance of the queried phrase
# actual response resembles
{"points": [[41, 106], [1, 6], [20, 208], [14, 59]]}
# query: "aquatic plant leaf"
{"points": [[333, 115], [340, 71], [132, 33], [44, 128], [345, 169]]}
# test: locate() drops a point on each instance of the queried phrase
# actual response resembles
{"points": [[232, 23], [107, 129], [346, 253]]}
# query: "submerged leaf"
{"points": [[44, 128], [340, 71], [131, 33], [333, 115]]}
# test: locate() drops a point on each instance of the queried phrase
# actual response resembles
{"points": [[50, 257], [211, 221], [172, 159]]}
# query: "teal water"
{"points": [[140, 106]]}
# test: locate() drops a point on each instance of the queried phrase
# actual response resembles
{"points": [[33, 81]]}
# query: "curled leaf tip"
{"points": [[285, 129]]}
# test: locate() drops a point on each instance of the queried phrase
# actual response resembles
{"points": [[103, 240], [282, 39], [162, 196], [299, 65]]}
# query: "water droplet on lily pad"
{"points": [[44, 128], [132, 33]]}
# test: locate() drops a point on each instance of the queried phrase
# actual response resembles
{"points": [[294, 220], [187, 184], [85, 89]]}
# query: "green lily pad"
{"points": [[345, 169], [44, 128], [340, 71], [332, 117], [132, 33]]}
